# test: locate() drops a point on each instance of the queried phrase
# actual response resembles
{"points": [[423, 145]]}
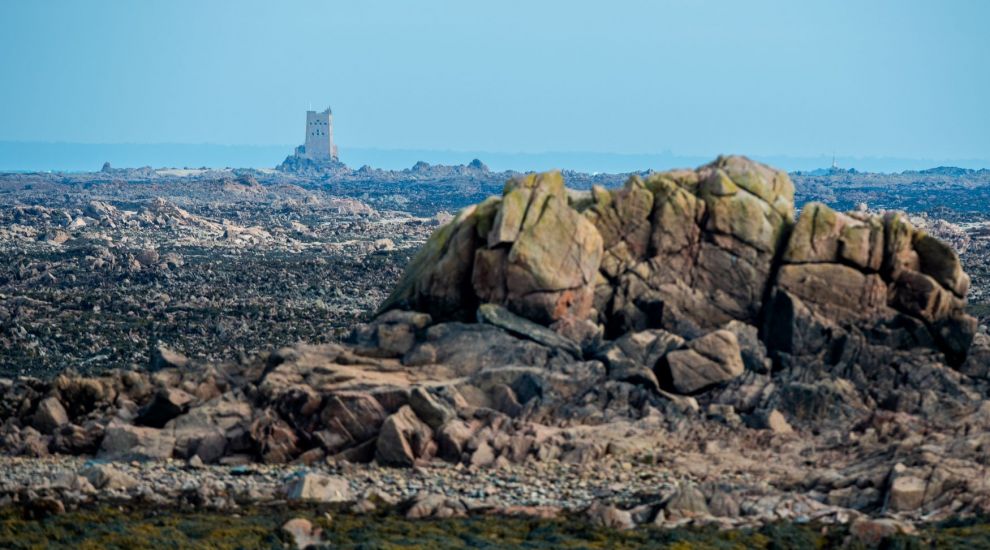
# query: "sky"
{"points": [[897, 79]]}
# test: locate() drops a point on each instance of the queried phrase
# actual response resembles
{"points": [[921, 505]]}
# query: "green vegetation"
{"points": [[259, 528], [148, 529]]}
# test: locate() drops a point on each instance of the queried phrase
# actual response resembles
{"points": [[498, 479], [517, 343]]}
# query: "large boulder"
{"points": [[688, 251], [553, 253], [274, 440], [125, 442], [316, 487], [529, 251], [711, 359], [50, 416], [438, 280], [520, 326], [213, 430], [713, 236], [468, 348], [874, 276], [634, 356], [403, 439], [350, 418]]}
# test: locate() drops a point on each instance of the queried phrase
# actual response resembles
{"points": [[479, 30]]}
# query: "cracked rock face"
{"points": [[876, 277], [529, 251], [690, 251]]}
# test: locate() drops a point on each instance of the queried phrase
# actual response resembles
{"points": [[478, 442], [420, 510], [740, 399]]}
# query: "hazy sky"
{"points": [[697, 77]]}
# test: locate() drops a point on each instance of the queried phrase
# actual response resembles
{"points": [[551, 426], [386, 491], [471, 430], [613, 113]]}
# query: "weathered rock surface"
{"points": [[124, 441], [105, 476], [879, 279], [529, 251], [709, 360], [316, 487], [403, 439], [684, 321]]}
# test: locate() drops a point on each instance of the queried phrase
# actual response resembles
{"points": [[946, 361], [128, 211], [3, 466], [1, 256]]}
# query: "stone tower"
{"points": [[319, 136]]}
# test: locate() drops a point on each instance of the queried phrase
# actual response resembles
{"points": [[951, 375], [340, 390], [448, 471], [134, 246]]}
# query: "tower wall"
{"points": [[319, 136]]}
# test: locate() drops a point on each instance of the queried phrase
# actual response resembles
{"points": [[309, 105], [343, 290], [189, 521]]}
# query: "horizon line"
{"points": [[663, 152]]}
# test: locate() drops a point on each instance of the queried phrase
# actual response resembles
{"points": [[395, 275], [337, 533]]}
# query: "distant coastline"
{"points": [[27, 156]]}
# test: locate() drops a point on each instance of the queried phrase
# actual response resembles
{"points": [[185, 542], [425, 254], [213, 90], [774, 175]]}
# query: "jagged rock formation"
{"points": [[551, 325], [898, 286], [530, 251], [689, 251]]}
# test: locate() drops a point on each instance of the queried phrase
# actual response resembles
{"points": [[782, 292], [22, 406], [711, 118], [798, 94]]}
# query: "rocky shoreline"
{"points": [[680, 352], [608, 495]]}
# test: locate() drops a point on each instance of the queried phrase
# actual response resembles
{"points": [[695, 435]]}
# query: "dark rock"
{"points": [[403, 439], [276, 442], [501, 317], [162, 357], [429, 409], [167, 404], [633, 357]]}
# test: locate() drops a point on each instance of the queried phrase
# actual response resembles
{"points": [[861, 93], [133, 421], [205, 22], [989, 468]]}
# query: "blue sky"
{"points": [[906, 79]]}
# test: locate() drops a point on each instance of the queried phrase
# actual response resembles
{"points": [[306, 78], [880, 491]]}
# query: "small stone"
{"points": [[363, 506], [774, 421], [609, 516], [483, 456], [302, 532], [107, 477], [163, 357], [907, 493], [872, 532], [315, 487], [724, 505], [687, 502], [431, 505]]}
